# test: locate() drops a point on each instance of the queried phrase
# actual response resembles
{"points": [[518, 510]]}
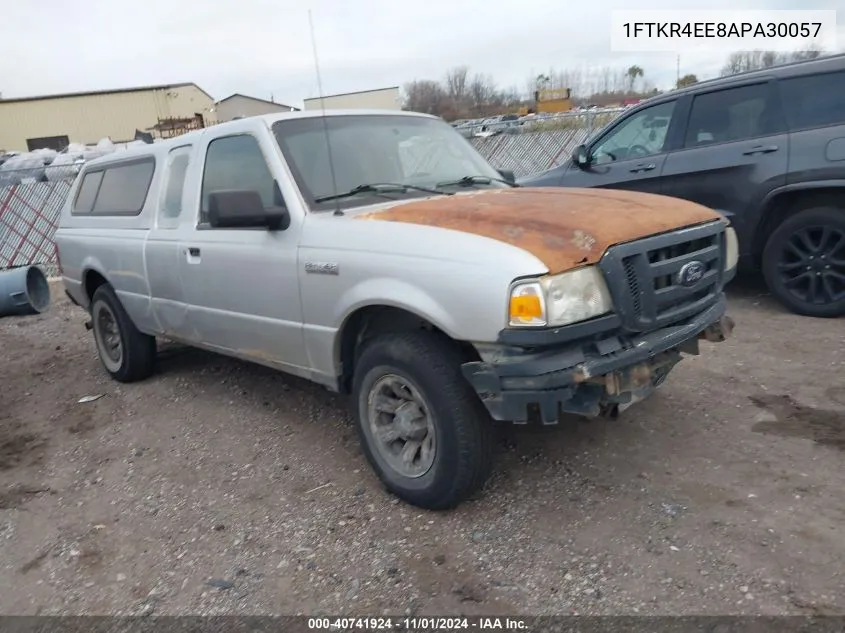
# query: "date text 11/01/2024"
{"points": [[417, 624], [700, 30]]}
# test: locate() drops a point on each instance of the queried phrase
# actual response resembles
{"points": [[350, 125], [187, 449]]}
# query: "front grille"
{"points": [[645, 276], [633, 286]]}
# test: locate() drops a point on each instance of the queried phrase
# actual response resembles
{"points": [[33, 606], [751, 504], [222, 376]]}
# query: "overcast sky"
{"points": [[263, 47]]}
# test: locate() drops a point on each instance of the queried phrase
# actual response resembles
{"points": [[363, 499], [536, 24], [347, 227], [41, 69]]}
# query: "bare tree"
{"points": [[601, 85], [572, 78], [511, 97], [460, 95], [744, 61], [811, 53], [457, 84], [647, 87], [606, 80], [426, 96], [482, 92]]}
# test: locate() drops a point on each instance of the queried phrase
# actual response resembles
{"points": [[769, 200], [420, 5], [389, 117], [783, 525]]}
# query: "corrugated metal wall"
{"points": [[89, 118]]}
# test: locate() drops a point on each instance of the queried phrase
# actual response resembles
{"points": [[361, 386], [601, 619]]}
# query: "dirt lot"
{"points": [[221, 487]]}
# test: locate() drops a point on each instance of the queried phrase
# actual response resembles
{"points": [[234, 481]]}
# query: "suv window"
{"points": [[236, 163], [117, 190], [642, 134], [735, 114], [814, 100], [171, 203]]}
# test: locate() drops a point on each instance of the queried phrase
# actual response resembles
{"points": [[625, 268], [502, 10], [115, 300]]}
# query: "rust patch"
{"points": [[562, 227]]}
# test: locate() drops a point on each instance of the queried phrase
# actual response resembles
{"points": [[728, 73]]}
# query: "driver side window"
{"points": [[643, 134]]}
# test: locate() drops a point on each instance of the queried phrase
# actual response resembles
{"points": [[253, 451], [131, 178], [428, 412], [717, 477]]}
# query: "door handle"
{"points": [[761, 149], [193, 254], [640, 168]]}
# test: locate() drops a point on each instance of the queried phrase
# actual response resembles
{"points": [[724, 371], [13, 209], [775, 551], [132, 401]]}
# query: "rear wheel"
{"points": [[804, 262], [422, 427], [126, 353]]}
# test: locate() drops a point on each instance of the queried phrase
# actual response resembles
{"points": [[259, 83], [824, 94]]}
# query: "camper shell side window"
{"points": [[115, 189]]}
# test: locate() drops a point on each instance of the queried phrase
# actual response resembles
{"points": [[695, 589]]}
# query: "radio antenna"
{"points": [[337, 210]]}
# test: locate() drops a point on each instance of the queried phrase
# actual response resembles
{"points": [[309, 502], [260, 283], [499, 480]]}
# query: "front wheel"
{"points": [[422, 427], [804, 262]]}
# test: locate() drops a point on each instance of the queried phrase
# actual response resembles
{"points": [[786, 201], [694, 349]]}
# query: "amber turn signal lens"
{"points": [[526, 308]]}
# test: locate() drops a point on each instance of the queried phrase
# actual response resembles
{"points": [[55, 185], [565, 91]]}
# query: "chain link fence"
{"points": [[29, 216], [528, 146], [29, 211]]}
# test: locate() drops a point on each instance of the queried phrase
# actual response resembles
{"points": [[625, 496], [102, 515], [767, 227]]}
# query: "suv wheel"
{"points": [[422, 427], [804, 262], [126, 354]]}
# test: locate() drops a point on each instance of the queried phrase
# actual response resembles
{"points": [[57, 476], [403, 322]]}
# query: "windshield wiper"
{"points": [[379, 188], [468, 181]]}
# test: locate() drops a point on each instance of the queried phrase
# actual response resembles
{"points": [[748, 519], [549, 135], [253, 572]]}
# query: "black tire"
{"points": [[822, 267], [136, 359], [463, 433]]}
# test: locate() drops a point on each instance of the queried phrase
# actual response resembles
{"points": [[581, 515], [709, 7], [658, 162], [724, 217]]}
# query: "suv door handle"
{"points": [[640, 168], [193, 254], [761, 149]]}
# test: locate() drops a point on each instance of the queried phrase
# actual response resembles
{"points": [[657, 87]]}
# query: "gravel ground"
{"points": [[221, 487]]}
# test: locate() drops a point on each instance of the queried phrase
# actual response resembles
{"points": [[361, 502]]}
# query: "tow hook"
{"points": [[718, 331], [89, 325]]}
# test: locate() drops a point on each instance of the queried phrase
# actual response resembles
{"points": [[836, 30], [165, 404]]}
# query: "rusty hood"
{"points": [[562, 227]]}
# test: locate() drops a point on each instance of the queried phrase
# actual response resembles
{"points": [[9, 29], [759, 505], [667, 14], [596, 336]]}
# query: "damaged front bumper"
{"points": [[589, 378]]}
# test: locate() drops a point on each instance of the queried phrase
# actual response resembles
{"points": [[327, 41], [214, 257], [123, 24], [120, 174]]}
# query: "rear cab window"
{"points": [[115, 189], [176, 169]]}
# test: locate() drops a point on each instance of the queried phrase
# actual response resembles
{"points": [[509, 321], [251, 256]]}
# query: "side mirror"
{"points": [[581, 156], [507, 174], [244, 209]]}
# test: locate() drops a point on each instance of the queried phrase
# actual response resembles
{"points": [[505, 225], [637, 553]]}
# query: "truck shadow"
{"points": [[262, 387], [750, 289]]}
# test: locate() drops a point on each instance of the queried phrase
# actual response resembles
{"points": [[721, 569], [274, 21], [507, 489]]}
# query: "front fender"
{"points": [[323, 342], [395, 293]]}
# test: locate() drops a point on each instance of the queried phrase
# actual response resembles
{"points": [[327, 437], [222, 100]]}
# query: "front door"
{"points": [[241, 284], [630, 155]]}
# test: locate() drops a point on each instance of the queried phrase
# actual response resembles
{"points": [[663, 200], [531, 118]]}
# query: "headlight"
{"points": [[559, 299], [731, 249]]}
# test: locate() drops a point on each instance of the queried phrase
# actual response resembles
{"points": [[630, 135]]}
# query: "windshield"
{"points": [[368, 149]]}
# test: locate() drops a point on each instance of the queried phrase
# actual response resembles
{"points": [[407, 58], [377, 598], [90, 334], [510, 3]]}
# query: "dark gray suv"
{"points": [[765, 148]]}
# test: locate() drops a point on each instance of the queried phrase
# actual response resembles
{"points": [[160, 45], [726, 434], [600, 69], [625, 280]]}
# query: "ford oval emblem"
{"points": [[691, 273]]}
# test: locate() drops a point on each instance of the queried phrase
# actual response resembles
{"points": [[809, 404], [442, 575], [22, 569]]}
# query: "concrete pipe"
{"points": [[23, 290]]}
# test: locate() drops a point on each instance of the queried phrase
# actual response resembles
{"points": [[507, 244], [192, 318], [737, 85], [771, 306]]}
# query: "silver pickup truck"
{"points": [[377, 253]]}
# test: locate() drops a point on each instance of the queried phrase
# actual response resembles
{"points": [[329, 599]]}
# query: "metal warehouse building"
{"points": [[86, 117], [381, 99], [238, 105]]}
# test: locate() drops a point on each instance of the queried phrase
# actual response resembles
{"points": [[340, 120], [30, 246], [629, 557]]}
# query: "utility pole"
{"points": [[678, 71]]}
